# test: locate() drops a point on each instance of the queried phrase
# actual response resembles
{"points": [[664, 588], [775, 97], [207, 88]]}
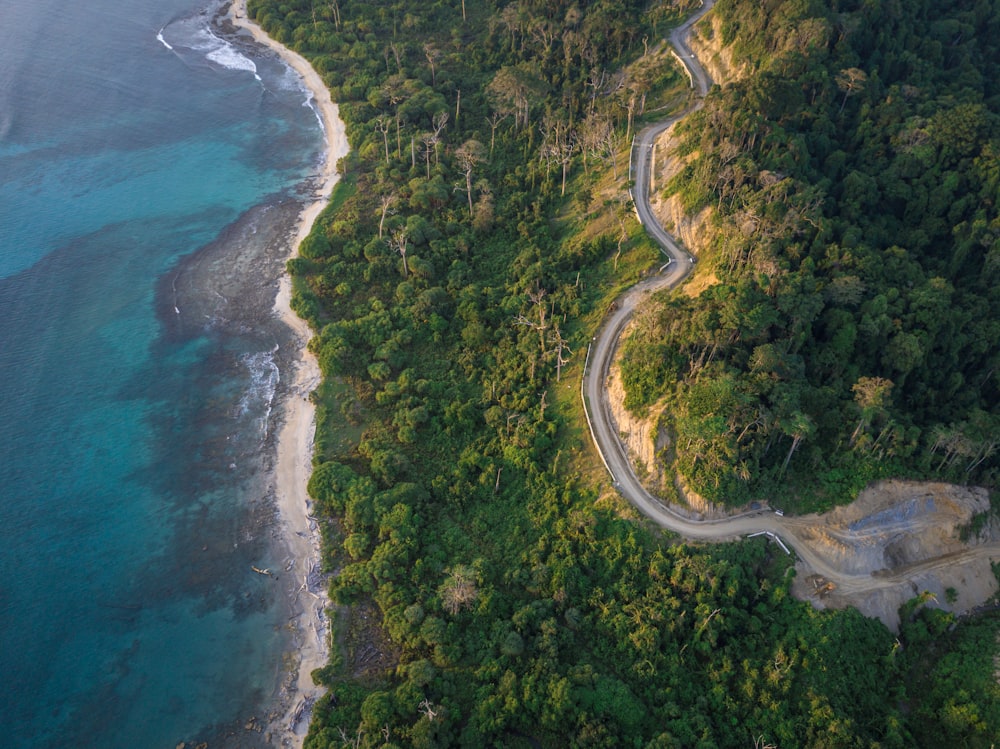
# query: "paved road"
{"points": [[601, 353], [604, 344]]}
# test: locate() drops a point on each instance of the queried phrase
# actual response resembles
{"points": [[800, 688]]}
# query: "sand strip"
{"points": [[295, 440]]}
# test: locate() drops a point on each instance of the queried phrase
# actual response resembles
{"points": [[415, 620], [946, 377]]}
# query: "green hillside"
{"points": [[493, 590]]}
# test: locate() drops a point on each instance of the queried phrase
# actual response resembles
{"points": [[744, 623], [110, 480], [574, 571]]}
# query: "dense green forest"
{"points": [[493, 591], [852, 332]]}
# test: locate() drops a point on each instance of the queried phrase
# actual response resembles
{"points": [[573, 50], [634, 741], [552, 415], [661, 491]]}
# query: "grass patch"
{"points": [[339, 420]]}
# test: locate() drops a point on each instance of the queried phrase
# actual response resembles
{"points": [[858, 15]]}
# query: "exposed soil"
{"points": [[909, 535], [639, 435], [897, 540], [706, 42], [665, 164]]}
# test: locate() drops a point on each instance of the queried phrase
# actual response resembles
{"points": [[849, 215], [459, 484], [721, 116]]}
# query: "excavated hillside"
{"points": [[914, 538], [692, 231], [898, 539], [706, 43], [640, 435]]}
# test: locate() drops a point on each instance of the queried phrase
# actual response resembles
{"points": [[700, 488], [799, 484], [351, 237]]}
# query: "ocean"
{"points": [[150, 173]]}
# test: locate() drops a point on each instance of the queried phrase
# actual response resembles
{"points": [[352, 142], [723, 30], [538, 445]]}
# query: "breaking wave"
{"points": [[195, 34], [258, 398]]}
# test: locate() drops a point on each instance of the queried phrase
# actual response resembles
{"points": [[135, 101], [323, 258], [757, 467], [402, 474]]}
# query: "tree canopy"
{"points": [[852, 330], [491, 594]]}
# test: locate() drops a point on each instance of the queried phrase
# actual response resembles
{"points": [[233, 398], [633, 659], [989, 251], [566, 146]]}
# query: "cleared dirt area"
{"points": [[900, 539]]}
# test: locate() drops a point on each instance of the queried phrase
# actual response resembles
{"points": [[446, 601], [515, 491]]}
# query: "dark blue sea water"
{"points": [[149, 171]]}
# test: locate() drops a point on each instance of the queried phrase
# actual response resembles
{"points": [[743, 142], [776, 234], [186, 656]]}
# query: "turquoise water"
{"points": [[139, 150]]}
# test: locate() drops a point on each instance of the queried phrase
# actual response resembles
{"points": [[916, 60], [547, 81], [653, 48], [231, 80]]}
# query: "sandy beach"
{"points": [[295, 439]]}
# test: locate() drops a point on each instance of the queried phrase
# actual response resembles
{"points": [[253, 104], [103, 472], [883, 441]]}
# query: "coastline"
{"points": [[295, 438]]}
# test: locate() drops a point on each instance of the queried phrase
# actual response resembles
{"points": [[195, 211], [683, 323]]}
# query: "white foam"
{"points": [[164, 42], [195, 34], [226, 55], [292, 81], [258, 398], [311, 103]]}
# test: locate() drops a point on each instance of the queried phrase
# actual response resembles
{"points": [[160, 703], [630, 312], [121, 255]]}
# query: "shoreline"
{"points": [[294, 449]]}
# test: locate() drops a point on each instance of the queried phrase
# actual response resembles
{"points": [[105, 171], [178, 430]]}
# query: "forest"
{"points": [[491, 588], [851, 330]]}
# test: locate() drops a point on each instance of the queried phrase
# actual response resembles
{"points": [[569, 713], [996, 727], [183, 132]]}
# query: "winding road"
{"points": [[680, 263]]}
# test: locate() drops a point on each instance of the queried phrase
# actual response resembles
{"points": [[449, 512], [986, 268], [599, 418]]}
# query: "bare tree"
{"points": [[459, 591], [396, 90], [544, 33], [429, 142], [955, 444], [540, 311], [559, 145], [513, 90], [440, 121], [386, 201], [798, 426], [469, 155], [428, 709], [709, 618], [851, 81], [433, 55], [494, 121], [399, 242], [595, 82], [382, 126], [399, 62], [630, 104], [872, 396], [351, 741], [561, 349], [984, 449], [563, 154], [597, 139], [959, 441]]}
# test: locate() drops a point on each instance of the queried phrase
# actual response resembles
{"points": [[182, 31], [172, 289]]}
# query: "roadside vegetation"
{"points": [[494, 592]]}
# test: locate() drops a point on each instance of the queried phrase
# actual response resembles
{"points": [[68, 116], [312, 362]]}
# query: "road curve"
{"points": [[605, 343], [602, 350]]}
